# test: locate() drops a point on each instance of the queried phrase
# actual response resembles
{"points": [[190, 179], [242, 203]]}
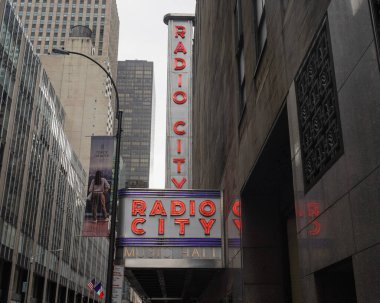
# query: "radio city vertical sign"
{"points": [[170, 228], [179, 103]]}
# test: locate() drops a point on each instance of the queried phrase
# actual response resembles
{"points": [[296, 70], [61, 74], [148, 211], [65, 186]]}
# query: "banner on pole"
{"points": [[98, 202]]}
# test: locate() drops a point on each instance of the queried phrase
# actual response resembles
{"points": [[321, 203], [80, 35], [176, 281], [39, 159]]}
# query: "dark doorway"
{"points": [[336, 283], [270, 252], [5, 269]]}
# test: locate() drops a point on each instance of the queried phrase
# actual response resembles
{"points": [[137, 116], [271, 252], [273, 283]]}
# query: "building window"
{"points": [[240, 55], [375, 12], [318, 112], [241, 63], [260, 27]]}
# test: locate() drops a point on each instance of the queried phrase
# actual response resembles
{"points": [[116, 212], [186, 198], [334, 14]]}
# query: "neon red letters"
{"points": [[176, 130], [179, 63], [179, 97], [180, 30], [180, 211]]}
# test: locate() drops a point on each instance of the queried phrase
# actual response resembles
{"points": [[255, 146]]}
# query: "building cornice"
{"points": [[179, 17]]}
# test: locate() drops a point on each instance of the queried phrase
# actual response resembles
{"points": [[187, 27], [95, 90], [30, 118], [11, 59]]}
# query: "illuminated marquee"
{"points": [[179, 138], [181, 210], [170, 224]]}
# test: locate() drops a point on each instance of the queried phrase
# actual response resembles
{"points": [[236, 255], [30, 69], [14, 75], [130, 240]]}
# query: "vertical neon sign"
{"points": [[179, 102]]}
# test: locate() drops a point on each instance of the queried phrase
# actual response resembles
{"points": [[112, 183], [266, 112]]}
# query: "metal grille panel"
{"points": [[318, 111]]}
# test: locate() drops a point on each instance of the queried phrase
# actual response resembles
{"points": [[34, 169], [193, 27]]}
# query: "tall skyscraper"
{"points": [[137, 98], [48, 24], [41, 184], [90, 27]]}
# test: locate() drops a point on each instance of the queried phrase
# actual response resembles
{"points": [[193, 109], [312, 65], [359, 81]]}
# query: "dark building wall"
{"points": [[235, 144], [346, 193], [136, 94], [219, 126]]}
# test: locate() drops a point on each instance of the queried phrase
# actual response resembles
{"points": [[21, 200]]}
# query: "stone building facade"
{"points": [[90, 27], [286, 123], [85, 93]]}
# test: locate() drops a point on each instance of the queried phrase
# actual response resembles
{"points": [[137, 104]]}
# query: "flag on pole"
{"points": [[101, 294], [91, 284], [99, 290]]}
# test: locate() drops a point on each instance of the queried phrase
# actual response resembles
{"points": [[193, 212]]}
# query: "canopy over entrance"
{"points": [[170, 241]]}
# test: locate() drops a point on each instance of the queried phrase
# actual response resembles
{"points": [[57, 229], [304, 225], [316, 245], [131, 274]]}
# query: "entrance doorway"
{"points": [[269, 236]]}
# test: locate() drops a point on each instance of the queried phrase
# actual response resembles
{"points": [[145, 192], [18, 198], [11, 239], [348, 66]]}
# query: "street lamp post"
{"points": [[119, 116], [29, 277]]}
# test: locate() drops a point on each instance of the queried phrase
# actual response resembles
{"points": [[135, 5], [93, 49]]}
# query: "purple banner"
{"points": [[181, 242]]}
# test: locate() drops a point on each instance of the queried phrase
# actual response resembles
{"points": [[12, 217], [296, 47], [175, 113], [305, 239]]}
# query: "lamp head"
{"points": [[60, 51]]}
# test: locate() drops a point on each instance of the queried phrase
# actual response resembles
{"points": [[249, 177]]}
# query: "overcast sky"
{"points": [[144, 36]]}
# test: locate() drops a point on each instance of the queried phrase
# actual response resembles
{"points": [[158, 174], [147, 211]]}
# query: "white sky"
{"points": [[143, 35]]}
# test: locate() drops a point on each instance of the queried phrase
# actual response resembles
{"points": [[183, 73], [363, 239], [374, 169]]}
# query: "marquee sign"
{"points": [[179, 104], [170, 228]]}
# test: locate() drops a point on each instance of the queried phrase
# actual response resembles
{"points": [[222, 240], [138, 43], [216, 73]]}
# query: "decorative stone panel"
{"points": [[318, 111]]}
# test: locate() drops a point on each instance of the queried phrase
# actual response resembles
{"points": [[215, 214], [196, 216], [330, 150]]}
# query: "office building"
{"points": [[137, 98], [49, 23], [286, 121], [42, 184], [85, 92], [90, 27]]}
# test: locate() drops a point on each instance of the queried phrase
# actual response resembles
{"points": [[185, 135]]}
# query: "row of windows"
{"points": [[94, 22], [58, 16], [89, 10], [44, 2], [56, 40], [53, 26]]}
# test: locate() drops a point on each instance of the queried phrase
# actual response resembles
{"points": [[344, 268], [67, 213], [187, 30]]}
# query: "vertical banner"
{"points": [[98, 201]]}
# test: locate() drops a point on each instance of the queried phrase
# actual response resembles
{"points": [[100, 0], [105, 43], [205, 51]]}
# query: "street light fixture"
{"points": [[119, 115], [29, 278]]}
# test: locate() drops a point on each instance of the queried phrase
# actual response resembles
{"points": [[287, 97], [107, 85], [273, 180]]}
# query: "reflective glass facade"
{"points": [[136, 94], [42, 182]]}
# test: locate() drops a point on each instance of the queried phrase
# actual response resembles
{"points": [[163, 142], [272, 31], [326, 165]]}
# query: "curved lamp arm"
{"points": [[65, 52]]}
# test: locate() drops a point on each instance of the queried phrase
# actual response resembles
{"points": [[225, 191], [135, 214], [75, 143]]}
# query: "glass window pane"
{"points": [[259, 10], [262, 36]]}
